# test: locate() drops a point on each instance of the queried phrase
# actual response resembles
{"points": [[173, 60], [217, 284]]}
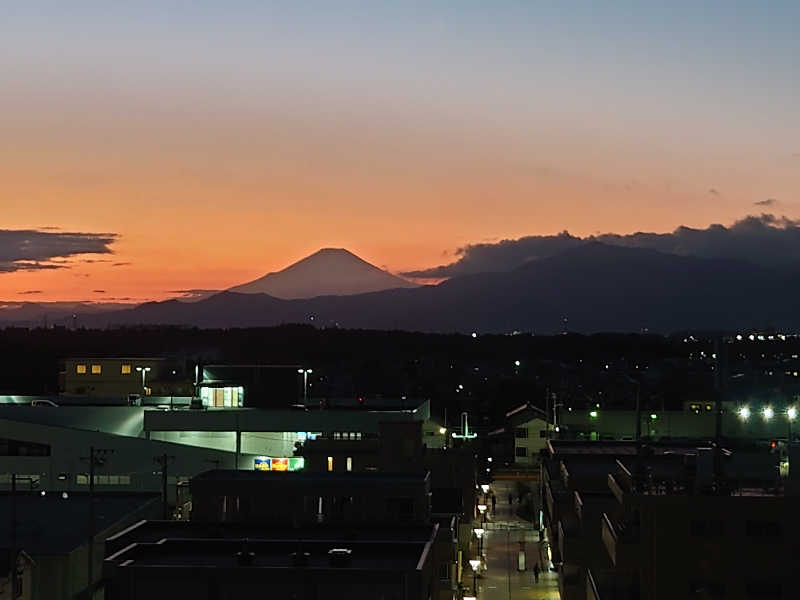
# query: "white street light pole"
{"points": [[143, 371], [305, 373]]}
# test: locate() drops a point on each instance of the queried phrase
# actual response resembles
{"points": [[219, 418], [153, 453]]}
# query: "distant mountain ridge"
{"points": [[590, 288], [327, 272]]}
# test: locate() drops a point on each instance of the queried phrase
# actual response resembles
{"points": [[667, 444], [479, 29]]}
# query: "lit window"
{"points": [[80, 369], [96, 369], [126, 369], [124, 479], [349, 463], [81, 479], [330, 463]]}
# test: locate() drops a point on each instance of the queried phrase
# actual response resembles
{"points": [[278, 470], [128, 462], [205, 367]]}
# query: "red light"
{"points": [[360, 400], [773, 444]]}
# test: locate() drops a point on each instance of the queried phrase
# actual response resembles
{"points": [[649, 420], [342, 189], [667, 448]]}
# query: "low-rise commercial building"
{"points": [[52, 530]]}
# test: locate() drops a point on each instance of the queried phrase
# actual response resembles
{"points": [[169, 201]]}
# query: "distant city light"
{"points": [[768, 413], [791, 412], [593, 414], [442, 430], [474, 334], [64, 495], [42, 493], [653, 416], [517, 363], [744, 413]]}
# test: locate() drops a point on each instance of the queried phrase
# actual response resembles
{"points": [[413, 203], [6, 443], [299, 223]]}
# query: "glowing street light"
{"points": [[143, 371], [442, 430], [479, 531], [768, 413], [744, 413], [305, 373], [791, 412], [593, 414], [485, 488], [474, 563]]}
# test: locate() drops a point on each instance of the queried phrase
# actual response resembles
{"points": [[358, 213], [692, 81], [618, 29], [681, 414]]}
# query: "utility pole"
{"points": [[12, 555], [95, 458], [162, 461]]}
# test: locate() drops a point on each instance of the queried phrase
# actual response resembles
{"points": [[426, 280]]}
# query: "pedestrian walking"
{"points": [[536, 573]]}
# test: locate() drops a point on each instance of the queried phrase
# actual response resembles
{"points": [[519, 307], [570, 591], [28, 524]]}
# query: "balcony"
{"points": [[571, 543], [621, 544], [611, 585]]}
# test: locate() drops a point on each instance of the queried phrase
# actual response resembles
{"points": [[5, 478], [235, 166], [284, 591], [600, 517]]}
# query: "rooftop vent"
{"points": [[245, 558], [340, 557], [299, 559]]}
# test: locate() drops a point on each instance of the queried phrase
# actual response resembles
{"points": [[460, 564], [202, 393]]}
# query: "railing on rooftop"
{"points": [[591, 587]]}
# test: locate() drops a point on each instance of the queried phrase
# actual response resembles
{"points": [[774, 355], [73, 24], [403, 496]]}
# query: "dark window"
{"points": [[399, 509], [764, 529], [522, 451], [19, 448], [444, 571], [706, 590], [763, 589], [711, 528], [521, 432], [542, 433]]}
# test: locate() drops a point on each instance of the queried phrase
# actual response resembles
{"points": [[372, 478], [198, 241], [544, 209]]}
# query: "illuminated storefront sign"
{"points": [[266, 463]]}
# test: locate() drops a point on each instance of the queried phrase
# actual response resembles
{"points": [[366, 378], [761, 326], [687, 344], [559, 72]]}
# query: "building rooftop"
{"points": [[153, 531], [387, 555], [51, 524], [361, 479]]}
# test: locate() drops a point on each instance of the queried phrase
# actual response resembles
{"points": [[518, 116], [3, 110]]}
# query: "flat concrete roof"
{"points": [[306, 478], [53, 525], [389, 555], [254, 419]]}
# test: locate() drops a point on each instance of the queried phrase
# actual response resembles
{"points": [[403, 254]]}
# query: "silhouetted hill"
{"points": [[594, 287], [327, 272]]}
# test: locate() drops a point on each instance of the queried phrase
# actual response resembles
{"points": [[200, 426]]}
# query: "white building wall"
{"points": [[528, 442]]}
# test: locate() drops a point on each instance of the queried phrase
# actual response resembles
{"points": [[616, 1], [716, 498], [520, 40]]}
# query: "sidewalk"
{"points": [[502, 580]]}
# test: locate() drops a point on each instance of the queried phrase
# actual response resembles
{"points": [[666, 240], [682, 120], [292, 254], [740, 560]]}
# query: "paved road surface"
{"points": [[501, 549]]}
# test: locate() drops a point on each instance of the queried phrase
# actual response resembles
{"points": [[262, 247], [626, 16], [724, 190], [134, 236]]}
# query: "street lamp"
{"points": [[482, 509], [479, 531], [143, 371], [768, 413], [474, 563], [791, 415], [305, 373], [744, 413]]}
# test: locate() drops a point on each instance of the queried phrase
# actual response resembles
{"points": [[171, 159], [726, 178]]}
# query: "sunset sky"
{"points": [[218, 141]]}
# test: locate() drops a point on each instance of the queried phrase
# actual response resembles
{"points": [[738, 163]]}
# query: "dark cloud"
{"points": [[763, 239], [34, 250], [98, 291], [29, 292], [767, 202], [120, 264], [194, 294]]}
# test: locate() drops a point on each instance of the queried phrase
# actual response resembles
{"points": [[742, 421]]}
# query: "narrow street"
{"points": [[501, 544]]}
